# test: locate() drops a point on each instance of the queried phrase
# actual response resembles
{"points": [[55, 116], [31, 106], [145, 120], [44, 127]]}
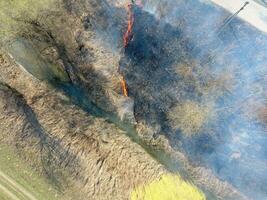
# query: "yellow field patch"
{"points": [[168, 187]]}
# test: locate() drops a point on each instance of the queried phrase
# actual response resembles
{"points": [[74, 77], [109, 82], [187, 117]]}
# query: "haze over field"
{"points": [[254, 13]]}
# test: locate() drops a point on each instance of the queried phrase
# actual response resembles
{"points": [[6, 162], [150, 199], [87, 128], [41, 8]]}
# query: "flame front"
{"points": [[129, 33], [124, 87], [127, 37]]}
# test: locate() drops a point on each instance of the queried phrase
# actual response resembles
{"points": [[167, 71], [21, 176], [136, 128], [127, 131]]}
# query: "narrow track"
{"points": [[12, 189]]}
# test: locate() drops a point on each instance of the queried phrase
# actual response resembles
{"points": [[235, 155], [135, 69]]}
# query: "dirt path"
{"points": [[16, 189], [8, 193]]}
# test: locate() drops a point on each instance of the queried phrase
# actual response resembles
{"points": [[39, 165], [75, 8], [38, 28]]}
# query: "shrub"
{"points": [[190, 117]]}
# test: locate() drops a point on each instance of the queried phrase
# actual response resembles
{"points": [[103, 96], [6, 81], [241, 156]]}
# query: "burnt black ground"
{"points": [[149, 68]]}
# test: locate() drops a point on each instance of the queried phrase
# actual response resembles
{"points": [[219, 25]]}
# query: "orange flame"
{"points": [[129, 33], [124, 87], [127, 37]]}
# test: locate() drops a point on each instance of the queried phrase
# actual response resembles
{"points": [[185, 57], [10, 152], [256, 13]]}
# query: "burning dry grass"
{"points": [[124, 87], [128, 34], [190, 117], [169, 187]]}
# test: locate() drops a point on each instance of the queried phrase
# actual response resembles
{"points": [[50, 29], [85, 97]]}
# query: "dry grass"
{"points": [[14, 14], [207, 84], [190, 117]]}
